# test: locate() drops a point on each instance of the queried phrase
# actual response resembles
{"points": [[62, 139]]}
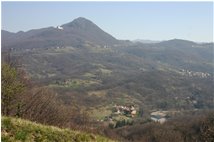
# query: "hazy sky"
{"points": [[123, 20]]}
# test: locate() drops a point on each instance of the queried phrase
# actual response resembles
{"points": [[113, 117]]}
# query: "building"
{"points": [[158, 116]]}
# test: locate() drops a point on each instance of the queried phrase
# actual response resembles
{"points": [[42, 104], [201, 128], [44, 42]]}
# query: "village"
{"points": [[194, 74], [121, 111], [123, 115]]}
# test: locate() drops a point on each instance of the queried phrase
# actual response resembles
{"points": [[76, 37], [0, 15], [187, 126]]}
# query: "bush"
{"points": [[11, 87]]}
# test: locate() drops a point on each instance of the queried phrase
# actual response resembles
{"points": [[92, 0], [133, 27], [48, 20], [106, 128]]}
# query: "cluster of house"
{"points": [[191, 100], [194, 74], [125, 110]]}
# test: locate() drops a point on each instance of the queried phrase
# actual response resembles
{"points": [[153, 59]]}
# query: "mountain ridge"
{"points": [[74, 33]]}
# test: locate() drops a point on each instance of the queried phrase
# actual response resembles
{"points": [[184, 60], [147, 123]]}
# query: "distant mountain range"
{"points": [[77, 33]]}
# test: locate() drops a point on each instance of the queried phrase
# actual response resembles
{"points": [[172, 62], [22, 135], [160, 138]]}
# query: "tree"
{"points": [[207, 128], [11, 86]]}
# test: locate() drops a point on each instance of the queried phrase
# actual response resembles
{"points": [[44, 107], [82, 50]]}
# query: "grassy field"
{"points": [[100, 112], [19, 130], [76, 83]]}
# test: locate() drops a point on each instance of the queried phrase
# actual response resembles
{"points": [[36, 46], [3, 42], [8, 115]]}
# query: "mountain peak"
{"points": [[79, 22], [81, 19]]}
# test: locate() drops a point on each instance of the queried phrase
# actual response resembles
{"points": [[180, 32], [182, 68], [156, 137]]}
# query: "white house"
{"points": [[158, 116], [59, 27]]}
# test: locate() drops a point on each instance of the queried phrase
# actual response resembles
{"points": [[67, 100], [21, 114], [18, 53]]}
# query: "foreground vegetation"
{"points": [[14, 129]]}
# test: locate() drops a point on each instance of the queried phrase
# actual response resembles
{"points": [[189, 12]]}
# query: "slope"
{"points": [[14, 129]]}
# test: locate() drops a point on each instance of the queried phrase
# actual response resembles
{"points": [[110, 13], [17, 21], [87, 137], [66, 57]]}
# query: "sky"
{"points": [[123, 20]]}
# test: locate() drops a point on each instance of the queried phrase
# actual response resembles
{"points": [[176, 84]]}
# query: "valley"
{"points": [[97, 76]]}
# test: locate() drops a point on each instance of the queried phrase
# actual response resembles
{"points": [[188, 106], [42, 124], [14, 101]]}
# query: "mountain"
{"points": [[89, 31], [178, 53], [76, 33], [177, 43]]}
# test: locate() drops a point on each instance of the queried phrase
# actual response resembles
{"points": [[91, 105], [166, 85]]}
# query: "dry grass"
{"points": [[19, 130]]}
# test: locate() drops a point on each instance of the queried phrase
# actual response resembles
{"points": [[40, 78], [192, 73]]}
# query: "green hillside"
{"points": [[19, 130]]}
